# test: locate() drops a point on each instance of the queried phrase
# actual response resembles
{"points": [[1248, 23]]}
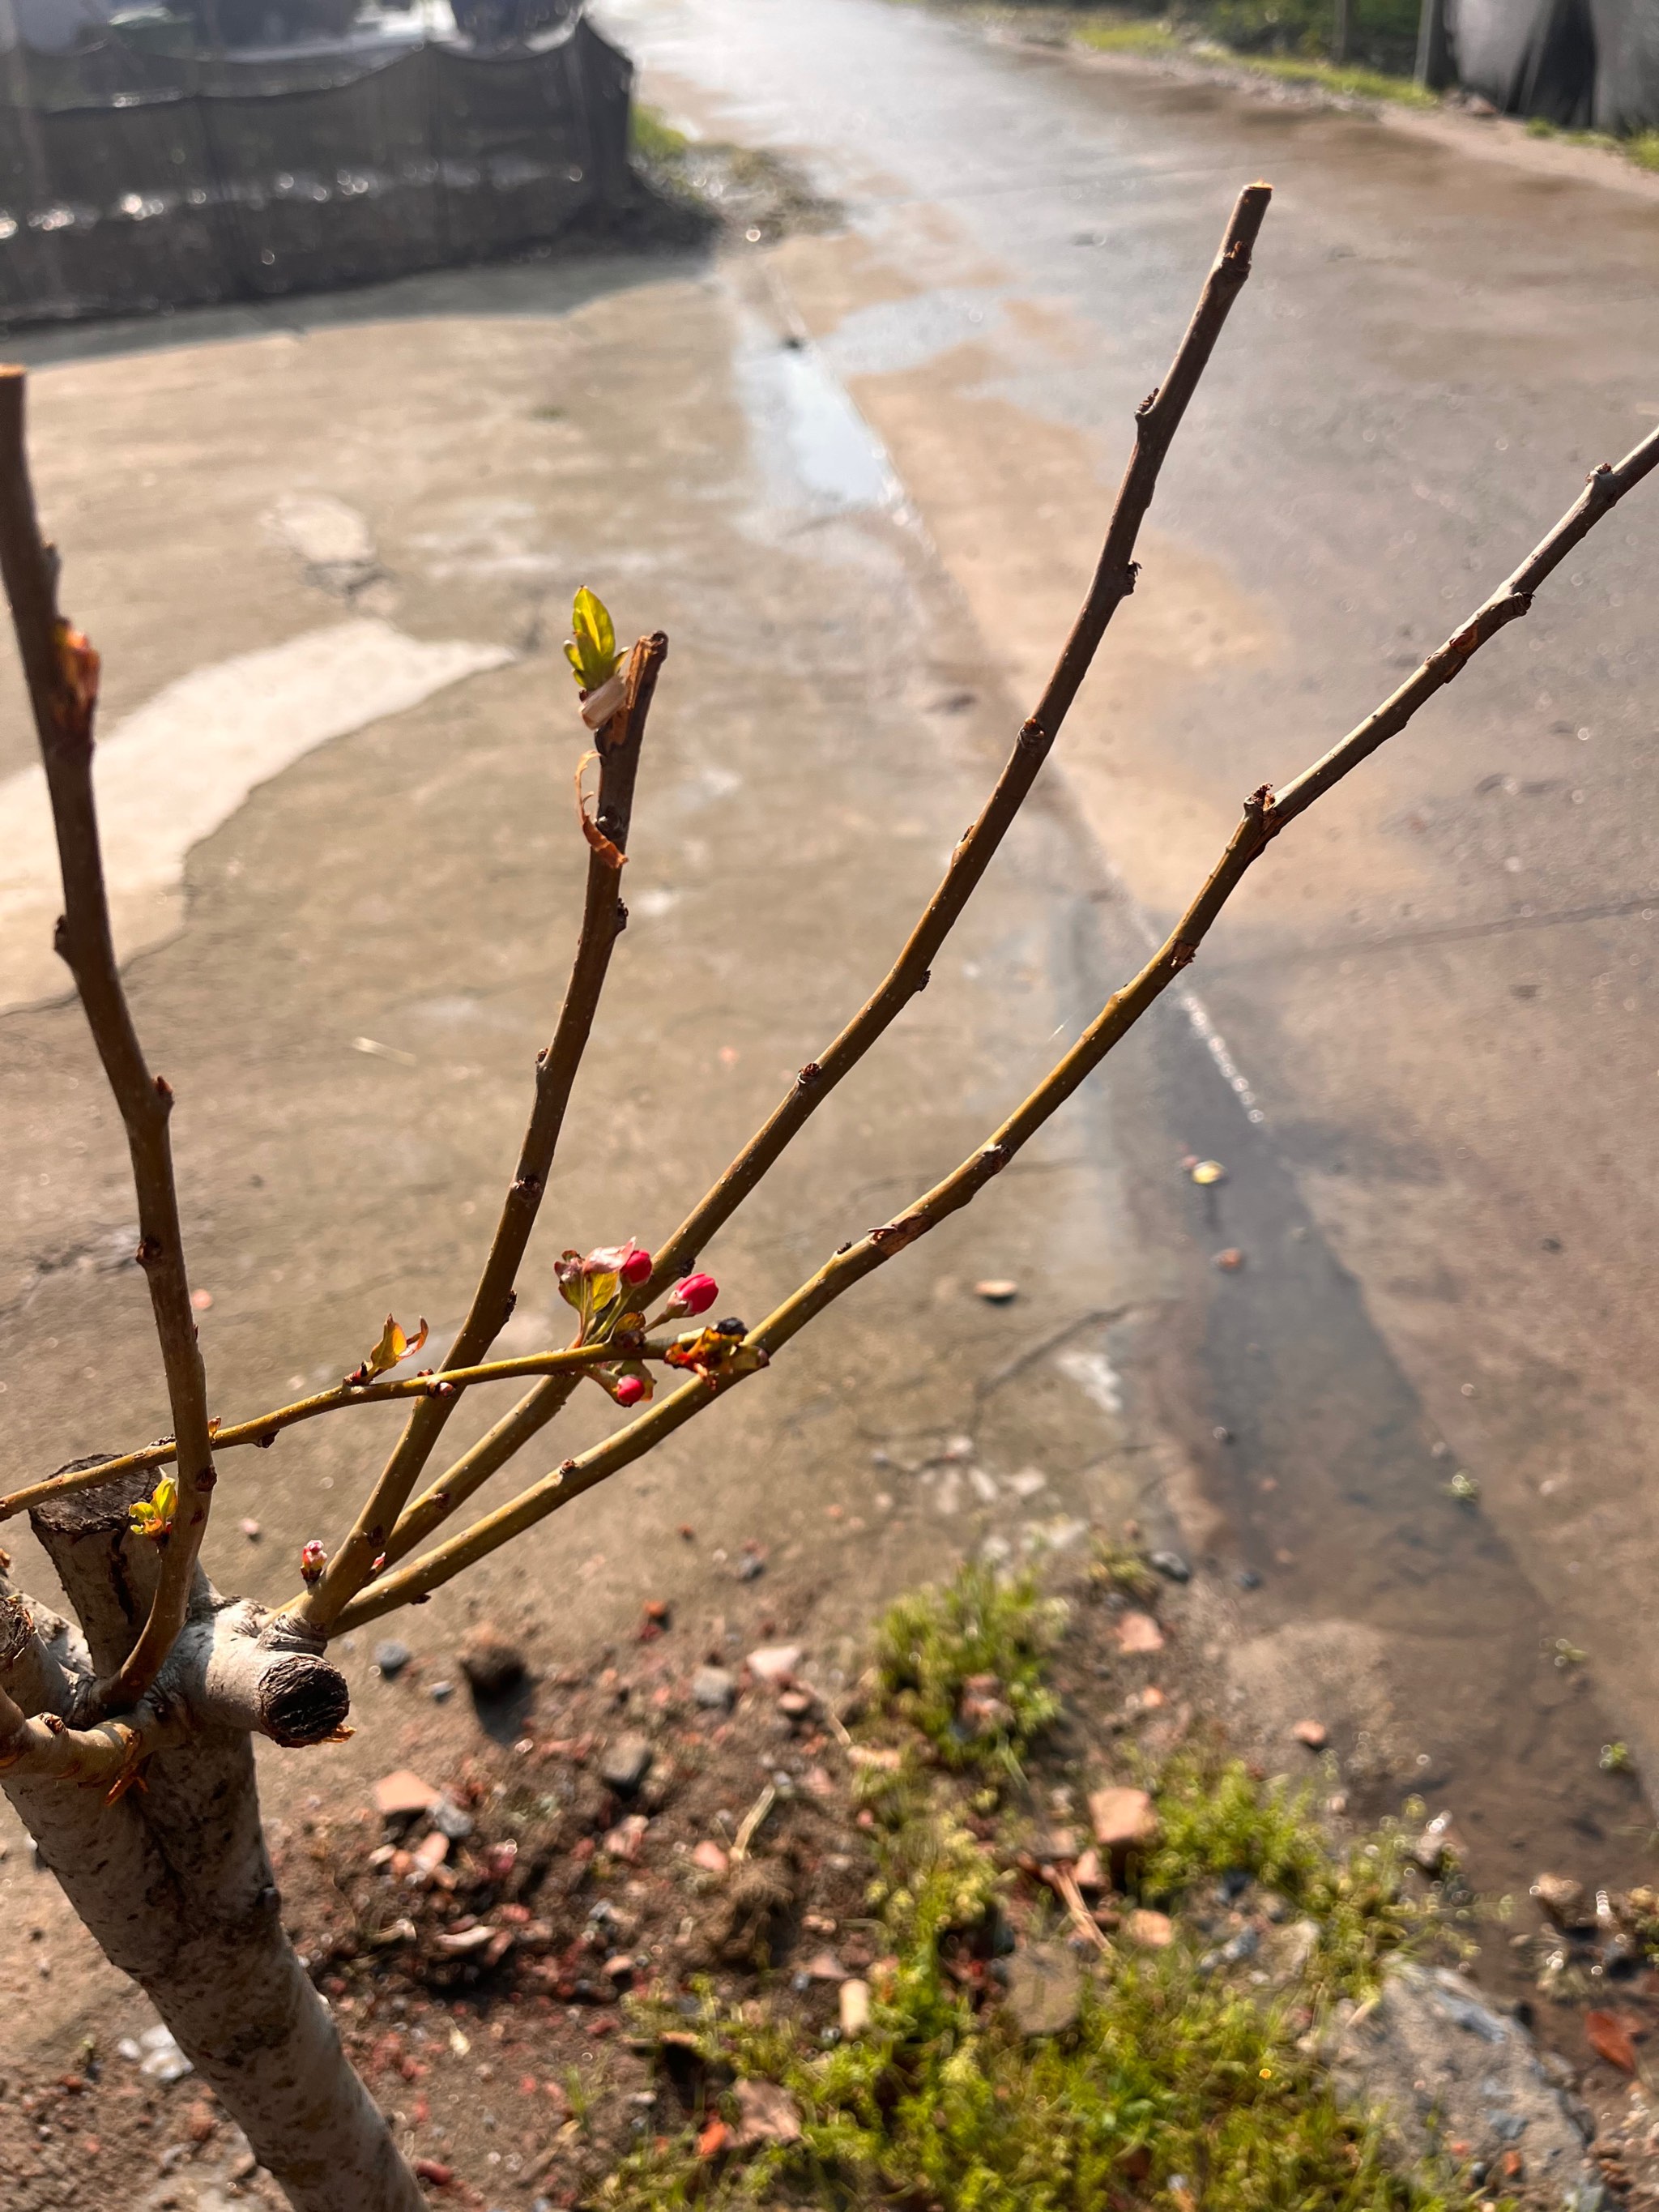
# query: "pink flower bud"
{"points": [[628, 1391], [694, 1294], [635, 1266], [312, 1559]]}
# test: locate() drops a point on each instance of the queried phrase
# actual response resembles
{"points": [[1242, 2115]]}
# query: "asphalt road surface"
{"points": [[1437, 997]]}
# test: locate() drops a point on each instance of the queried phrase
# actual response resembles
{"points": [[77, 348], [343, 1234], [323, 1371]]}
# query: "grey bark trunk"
{"points": [[176, 1888]]}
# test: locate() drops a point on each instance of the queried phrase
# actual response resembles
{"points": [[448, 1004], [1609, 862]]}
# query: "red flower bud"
{"points": [[635, 1266], [694, 1294], [312, 1559], [628, 1391]]}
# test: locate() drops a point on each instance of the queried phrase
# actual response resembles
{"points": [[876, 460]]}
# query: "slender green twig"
{"points": [[61, 670], [604, 918], [265, 1428], [1264, 815], [1157, 421]]}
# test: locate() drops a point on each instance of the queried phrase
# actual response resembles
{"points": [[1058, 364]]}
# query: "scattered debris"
{"points": [[1153, 1931], [1207, 1171], [626, 1762], [1139, 1631], [774, 1662], [996, 1291], [1490, 2092], [714, 1688], [1044, 1989], [1562, 1899], [1314, 1734], [1170, 1564], [1609, 2039], [766, 2114], [403, 1792], [161, 2059], [1122, 1818], [1230, 1260], [391, 1657], [1439, 1847], [854, 2007]]}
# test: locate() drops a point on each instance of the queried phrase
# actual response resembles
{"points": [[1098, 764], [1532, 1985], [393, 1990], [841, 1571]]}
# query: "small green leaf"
{"points": [[591, 650]]}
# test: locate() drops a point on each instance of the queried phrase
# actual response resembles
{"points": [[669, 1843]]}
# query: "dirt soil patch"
{"points": [[686, 1831]]}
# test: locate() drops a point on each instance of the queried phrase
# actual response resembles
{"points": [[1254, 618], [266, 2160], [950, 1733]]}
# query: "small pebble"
{"points": [[714, 1687], [438, 1692], [452, 1820], [391, 1657], [626, 1762]]}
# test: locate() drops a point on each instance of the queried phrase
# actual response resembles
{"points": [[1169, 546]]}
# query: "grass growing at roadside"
{"points": [[1643, 148], [1341, 77], [1263, 36], [1169, 2085], [653, 136], [1113, 33]]}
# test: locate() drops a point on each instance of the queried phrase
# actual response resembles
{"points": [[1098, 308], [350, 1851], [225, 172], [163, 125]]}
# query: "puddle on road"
{"points": [[814, 448]]}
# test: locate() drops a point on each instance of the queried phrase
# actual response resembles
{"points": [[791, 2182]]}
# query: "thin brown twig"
{"points": [[1263, 817], [265, 1428], [604, 918], [1157, 421], [61, 670]]}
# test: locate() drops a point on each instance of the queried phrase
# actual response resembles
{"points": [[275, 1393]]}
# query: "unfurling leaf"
{"points": [[392, 1347], [716, 1353], [591, 651], [152, 1517], [610, 853]]}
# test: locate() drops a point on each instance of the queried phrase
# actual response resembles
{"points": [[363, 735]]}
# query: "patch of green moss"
{"points": [[1118, 1567], [1215, 1819], [1170, 2088], [963, 1662], [654, 138]]}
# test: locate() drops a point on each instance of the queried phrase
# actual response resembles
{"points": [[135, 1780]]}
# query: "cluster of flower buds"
{"points": [[312, 1559]]}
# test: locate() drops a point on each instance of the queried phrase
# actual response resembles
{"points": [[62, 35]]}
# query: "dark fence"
{"points": [[1588, 65], [124, 190]]}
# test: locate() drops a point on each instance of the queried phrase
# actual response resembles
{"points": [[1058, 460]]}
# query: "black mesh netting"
{"points": [[123, 189], [1585, 63]]}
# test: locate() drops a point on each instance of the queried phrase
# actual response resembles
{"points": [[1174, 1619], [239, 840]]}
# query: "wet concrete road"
{"points": [[1438, 999]]}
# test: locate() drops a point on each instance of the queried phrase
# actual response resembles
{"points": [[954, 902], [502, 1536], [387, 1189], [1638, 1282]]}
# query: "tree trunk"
{"points": [[176, 1887]]}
